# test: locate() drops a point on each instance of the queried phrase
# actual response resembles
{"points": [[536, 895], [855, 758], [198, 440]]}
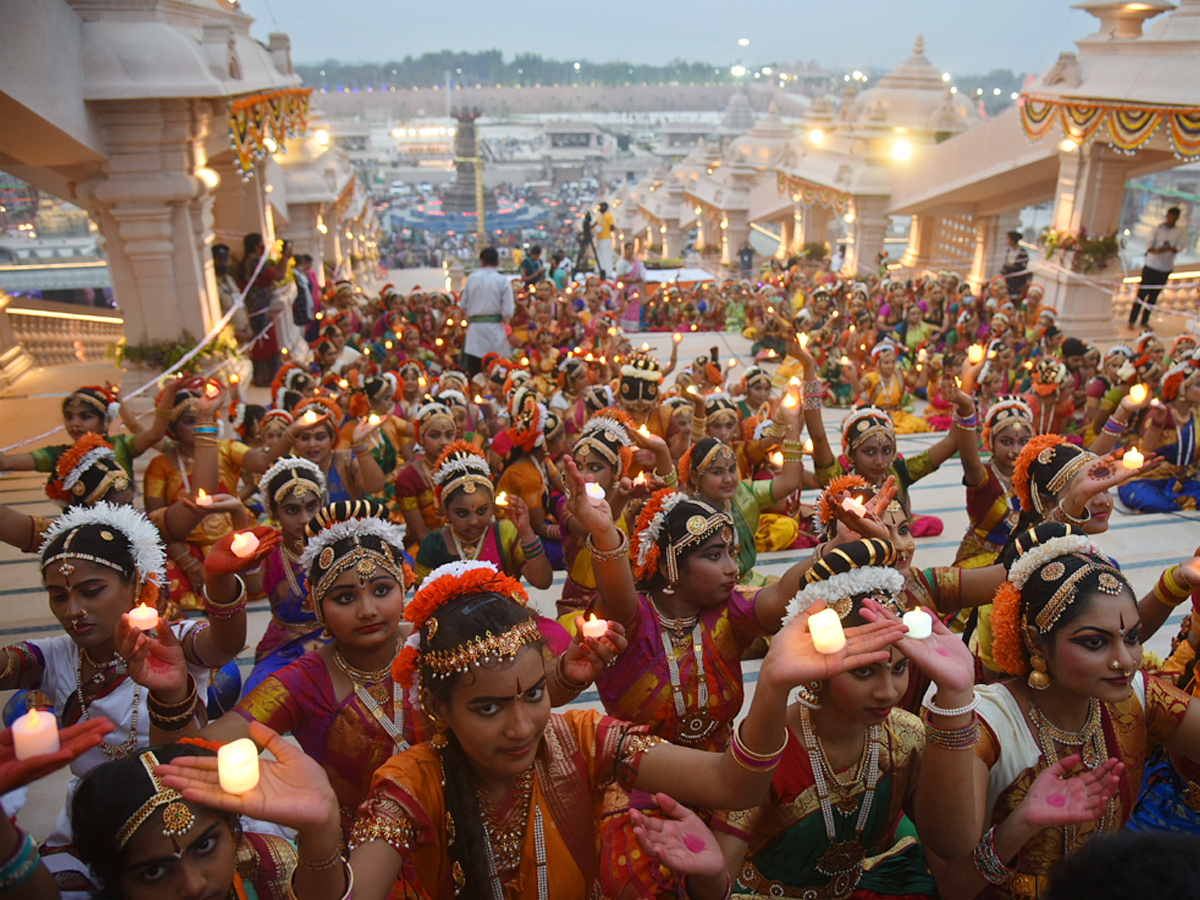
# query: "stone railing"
{"points": [[57, 333], [1180, 296]]}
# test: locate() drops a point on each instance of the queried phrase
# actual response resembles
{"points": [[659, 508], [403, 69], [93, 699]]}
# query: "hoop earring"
{"points": [[1039, 678]]}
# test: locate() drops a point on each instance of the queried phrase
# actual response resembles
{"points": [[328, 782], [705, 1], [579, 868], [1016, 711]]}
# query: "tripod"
{"points": [[585, 243]]}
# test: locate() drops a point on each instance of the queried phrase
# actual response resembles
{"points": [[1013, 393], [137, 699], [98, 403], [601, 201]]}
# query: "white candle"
{"points": [[244, 544], [594, 491], [844, 361], [854, 505], [643, 431], [595, 628], [237, 766], [1138, 392], [826, 630], [373, 419], [919, 622], [790, 401], [35, 733], [1133, 459], [211, 390], [645, 346], [202, 498], [235, 378], [144, 617], [974, 353]]}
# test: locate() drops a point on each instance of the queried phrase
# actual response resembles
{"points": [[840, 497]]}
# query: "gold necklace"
{"points": [[507, 836], [289, 562]]}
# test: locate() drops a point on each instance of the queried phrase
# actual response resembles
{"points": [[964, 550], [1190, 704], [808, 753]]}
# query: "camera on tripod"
{"points": [[585, 229]]}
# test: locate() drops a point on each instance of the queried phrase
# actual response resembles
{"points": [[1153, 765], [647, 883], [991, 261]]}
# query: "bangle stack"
{"points": [[329, 862], [967, 423], [533, 550], [617, 553], [567, 684], [758, 763], [360, 449], [1168, 591], [775, 429], [164, 414], [813, 388], [699, 428], [1113, 427], [205, 435], [987, 861], [172, 716], [793, 451], [19, 867], [670, 479], [951, 713], [953, 738], [349, 881], [230, 609]]}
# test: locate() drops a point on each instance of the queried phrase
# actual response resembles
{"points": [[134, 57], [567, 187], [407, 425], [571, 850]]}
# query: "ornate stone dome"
{"points": [[738, 117], [913, 96], [765, 144]]}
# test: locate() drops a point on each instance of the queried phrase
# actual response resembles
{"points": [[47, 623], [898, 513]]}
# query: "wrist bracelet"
{"points": [[988, 862], [953, 738], [812, 401], [568, 684], [670, 479], [751, 761], [19, 867], [1070, 518], [1168, 591], [533, 550], [951, 713], [226, 610], [1113, 427], [164, 414], [349, 881], [328, 862], [621, 551], [173, 716], [815, 387], [775, 430]]}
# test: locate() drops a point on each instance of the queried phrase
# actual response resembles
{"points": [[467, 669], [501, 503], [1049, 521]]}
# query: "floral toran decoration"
{"points": [[1126, 127], [277, 115]]}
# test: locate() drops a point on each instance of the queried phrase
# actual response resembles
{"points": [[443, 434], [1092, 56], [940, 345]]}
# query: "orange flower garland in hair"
{"points": [[71, 458], [684, 466], [644, 550], [1008, 638], [825, 515], [1020, 480], [459, 578]]}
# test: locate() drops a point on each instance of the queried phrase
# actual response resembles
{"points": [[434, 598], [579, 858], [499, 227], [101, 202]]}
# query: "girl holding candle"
{"points": [[848, 778], [869, 446], [519, 788], [294, 491], [462, 484], [572, 380], [886, 386], [143, 841], [710, 469], [999, 790], [433, 430], [529, 469], [391, 443], [1171, 431], [97, 564], [638, 396], [603, 454], [349, 474]]}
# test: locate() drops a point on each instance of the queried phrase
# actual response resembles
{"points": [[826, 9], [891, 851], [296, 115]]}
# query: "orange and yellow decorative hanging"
{"points": [[1125, 127], [808, 193], [254, 119]]}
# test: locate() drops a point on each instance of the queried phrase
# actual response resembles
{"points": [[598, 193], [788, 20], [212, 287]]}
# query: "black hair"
{"points": [[107, 797], [535, 250], [99, 540], [251, 242], [1174, 209], [1129, 864], [674, 530], [460, 620], [489, 256], [252, 418], [220, 250]]}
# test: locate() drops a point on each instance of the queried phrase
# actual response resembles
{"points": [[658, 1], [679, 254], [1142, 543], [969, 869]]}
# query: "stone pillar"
{"points": [[302, 231], [869, 228], [983, 263], [1091, 186], [814, 223], [156, 216], [736, 231], [238, 206], [922, 236], [786, 230]]}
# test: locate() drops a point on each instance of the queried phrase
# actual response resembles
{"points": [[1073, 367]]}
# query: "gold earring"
{"points": [[806, 694], [1039, 678]]}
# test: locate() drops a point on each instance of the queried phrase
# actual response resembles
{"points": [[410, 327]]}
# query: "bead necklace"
{"points": [[504, 843], [699, 725], [1092, 750], [289, 562], [111, 751], [117, 664], [362, 681], [842, 861]]}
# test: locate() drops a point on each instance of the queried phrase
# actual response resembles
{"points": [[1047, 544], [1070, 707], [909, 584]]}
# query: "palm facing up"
{"points": [[1059, 798], [681, 842], [793, 659]]}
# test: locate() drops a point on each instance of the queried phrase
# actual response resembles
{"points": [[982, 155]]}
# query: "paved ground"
{"points": [[1143, 544]]}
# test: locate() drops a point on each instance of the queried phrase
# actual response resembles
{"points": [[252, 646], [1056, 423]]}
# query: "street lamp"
{"points": [[737, 71]]}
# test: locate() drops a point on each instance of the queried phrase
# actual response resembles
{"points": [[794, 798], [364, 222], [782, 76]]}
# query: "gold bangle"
{"points": [[574, 687], [757, 757], [329, 862], [621, 551]]}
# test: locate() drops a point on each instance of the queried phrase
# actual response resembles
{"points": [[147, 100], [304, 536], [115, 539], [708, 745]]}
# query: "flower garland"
{"points": [[650, 524], [85, 453], [824, 516], [1021, 474], [459, 461], [1040, 554], [856, 582], [1008, 634], [145, 542]]}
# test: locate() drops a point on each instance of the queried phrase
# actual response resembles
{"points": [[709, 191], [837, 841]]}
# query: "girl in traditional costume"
{"points": [[529, 471], [433, 429], [886, 386], [504, 801], [570, 398], [638, 395], [349, 474], [1171, 431], [1018, 774]]}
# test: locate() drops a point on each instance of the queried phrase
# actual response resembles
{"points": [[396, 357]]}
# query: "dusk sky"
{"points": [[966, 36]]}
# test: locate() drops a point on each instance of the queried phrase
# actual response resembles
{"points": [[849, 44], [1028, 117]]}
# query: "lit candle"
{"points": [[594, 491], [771, 310], [589, 357], [677, 337], [645, 346], [202, 499], [771, 354], [1138, 392], [438, 342], [373, 419], [693, 328], [691, 389], [502, 499], [478, 400], [35, 733], [244, 544], [844, 361], [343, 384], [919, 622], [235, 378], [640, 480], [524, 360], [1133, 459], [211, 390], [308, 418], [422, 381], [789, 400], [975, 353], [144, 617], [777, 458], [387, 345], [808, 445], [803, 341], [922, 355], [854, 505], [237, 766], [826, 630], [594, 628], [733, 362], [612, 331]]}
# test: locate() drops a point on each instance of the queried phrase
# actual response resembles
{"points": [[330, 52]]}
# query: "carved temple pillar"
{"points": [[870, 227]]}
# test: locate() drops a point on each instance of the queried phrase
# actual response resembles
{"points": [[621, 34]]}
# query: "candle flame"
{"points": [[502, 499], [32, 716], [645, 346], [677, 337], [974, 353], [201, 495], [1138, 392], [309, 417], [643, 431], [803, 341], [211, 390], [235, 378], [777, 458]]}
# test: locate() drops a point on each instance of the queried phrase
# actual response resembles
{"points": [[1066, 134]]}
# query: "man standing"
{"points": [[1164, 242], [604, 235], [487, 302], [532, 270], [746, 260], [1016, 265]]}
